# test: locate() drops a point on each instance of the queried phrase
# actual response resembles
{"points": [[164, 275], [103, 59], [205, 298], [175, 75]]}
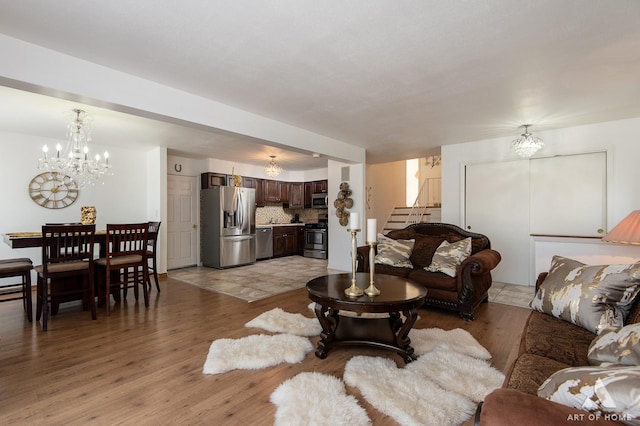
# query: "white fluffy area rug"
{"points": [[425, 340], [255, 352], [439, 388], [442, 387], [316, 399], [278, 321]]}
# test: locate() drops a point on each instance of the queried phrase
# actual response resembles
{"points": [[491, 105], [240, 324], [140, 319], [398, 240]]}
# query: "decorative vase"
{"points": [[88, 215]]}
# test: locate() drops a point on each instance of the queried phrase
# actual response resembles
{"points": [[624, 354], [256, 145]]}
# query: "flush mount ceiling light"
{"points": [[273, 169], [527, 144], [74, 161]]}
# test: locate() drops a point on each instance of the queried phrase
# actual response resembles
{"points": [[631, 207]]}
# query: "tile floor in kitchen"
{"points": [[276, 270]]}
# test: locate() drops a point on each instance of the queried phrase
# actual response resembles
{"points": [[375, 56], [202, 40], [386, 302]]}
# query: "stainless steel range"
{"points": [[316, 238]]}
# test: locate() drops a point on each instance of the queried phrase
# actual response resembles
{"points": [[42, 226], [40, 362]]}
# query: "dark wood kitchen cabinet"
{"points": [[314, 187], [296, 195], [300, 240], [257, 184], [276, 191], [210, 179], [285, 240], [320, 186]]}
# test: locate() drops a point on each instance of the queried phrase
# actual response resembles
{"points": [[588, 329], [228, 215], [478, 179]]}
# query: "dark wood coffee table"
{"points": [[397, 296]]}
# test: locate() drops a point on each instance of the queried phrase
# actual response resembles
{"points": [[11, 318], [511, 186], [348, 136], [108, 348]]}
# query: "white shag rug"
{"points": [[316, 399], [424, 340], [255, 352], [442, 387], [278, 321]]}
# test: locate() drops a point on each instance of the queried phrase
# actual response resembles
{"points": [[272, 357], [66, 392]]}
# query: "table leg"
{"points": [[401, 330], [328, 319]]}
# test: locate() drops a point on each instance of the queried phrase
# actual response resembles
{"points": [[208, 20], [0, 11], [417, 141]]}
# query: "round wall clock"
{"points": [[53, 190]]}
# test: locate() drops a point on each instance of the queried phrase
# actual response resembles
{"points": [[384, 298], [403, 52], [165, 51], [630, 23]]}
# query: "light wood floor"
{"points": [[144, 366]]}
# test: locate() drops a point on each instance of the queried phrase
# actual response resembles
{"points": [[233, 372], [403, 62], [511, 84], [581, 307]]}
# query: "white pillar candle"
{"points": [[354, 221], [372, 230]]}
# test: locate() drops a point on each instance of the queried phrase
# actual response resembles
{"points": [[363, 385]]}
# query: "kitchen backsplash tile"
{"points": [[279, 214]]}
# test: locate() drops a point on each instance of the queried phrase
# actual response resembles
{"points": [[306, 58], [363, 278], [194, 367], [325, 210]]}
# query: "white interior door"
{"points": [[182, 229], [497, 205]]}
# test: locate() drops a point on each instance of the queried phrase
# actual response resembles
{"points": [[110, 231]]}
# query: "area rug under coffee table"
{"points": [[442, 387]]}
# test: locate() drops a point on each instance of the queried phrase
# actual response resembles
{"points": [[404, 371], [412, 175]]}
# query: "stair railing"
{"points": [[428, 196]]}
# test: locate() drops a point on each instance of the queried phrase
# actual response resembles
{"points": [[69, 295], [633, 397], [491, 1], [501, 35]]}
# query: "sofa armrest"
{"points": [[482, 262], [511, 407]]}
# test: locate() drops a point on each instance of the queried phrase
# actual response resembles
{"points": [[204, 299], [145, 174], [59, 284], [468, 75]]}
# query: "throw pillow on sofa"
{"points": [[611, 391], [616, 346], [449, 256], [394, 252], [594, 297]]}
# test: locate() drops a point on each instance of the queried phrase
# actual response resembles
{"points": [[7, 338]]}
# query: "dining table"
{"points": [[17, 240]]}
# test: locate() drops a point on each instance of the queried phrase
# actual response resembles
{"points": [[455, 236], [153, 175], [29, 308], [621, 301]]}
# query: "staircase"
{"points": [[400, 217], [426, 208]]}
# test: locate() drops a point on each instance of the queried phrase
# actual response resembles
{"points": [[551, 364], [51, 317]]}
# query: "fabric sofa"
{"points": [[462, 292], [547, 346]]}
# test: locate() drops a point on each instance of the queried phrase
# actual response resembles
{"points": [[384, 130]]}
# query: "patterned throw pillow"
{"points": [[592, 297], [613, 391], [449, 256], [394, 252], [616, 346]]}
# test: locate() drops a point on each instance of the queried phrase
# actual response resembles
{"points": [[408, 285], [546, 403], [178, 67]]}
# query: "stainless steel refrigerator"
{"points": [[228, 226]]}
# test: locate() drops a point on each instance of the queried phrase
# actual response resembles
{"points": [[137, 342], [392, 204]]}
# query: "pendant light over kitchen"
{"points": [[273, 169]]}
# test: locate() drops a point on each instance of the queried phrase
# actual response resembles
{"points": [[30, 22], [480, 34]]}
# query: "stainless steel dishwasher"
{"points": [[264, 243]]}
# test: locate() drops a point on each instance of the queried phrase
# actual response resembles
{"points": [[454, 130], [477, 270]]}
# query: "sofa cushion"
{"points": [[449, 256], [610, 390], [530, 371], [434, 280], [392, 270], [556, 339], [394, 252], [423, 250], [594, 297], [618, 346]]}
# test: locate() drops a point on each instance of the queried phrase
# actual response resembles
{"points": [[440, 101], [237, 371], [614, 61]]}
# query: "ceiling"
{"points": [[400, 79]]}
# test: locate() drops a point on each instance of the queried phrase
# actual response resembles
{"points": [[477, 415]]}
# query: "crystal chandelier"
{"points": [[74, 161], [527, 144], [273, 169]]}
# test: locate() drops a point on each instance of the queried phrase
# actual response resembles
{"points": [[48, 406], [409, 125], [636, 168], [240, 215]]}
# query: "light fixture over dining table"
{"points": [[273, 169], [74, 161]]}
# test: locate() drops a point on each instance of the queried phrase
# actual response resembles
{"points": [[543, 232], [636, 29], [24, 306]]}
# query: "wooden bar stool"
{"points": [[20, 267]]}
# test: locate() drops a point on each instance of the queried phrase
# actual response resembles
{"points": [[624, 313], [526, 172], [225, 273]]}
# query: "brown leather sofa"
{"points": [[548, 344], [462, 293]]}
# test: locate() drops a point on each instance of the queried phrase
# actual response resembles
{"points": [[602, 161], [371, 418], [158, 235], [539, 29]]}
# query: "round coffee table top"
{"points": [[396, 293]]}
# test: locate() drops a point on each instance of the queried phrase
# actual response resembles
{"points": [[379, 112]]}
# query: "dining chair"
{"points": [[152, 262], [67, 252], [18, 267], [126, 248]]}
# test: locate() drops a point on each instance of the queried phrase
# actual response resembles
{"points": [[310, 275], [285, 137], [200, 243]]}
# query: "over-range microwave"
{"points": [[319, 201]]}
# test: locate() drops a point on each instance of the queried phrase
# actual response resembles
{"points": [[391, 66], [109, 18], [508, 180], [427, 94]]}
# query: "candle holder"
{"points": [[372, 290], [354, 290]]}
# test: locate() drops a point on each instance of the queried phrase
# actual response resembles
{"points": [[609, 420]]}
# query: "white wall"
{"points": [[339, 238], [124, 197], [386, 185], [157, 199], [618, 138]]}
